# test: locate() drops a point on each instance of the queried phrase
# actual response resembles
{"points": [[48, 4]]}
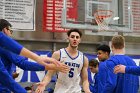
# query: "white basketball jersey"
{"points": [[70, 82]]}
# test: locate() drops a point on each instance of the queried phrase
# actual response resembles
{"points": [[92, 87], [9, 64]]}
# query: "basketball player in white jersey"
{"points": [[78, 64]]}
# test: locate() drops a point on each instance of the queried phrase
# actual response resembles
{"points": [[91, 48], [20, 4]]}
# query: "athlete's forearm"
{"points": [[28, 65], [85, 77], [47, 78], [86, 86], [27, 53], [135, 70], [46, 81], [50, 67]]}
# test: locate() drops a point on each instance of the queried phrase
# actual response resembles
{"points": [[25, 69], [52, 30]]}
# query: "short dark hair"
{"points": [[93, 63], [4, 23], [104, 48], [74, 30]]}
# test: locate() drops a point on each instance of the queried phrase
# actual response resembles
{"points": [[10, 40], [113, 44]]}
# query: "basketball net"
{"points": [[103, 18]]}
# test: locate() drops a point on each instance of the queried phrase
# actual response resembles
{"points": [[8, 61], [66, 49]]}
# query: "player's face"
{"points": [[102, 56], [93, 69], [74, 39], [8, 31]]}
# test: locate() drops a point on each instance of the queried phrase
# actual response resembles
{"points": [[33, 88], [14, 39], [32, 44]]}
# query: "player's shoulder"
{"points": [[56, 52], [102, 63], [56, 55], [128, 57], [59, 52], [111, 62], [80, 52], [85, 58]]}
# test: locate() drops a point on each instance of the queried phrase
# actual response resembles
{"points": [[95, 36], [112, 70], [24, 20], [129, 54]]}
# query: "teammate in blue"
{"points": [[78, 64], [8, 58], [93, 83], [9, 44], [103, 53], [118, 83]]}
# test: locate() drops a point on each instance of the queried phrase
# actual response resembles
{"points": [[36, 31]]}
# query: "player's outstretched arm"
{"points": [[135, 70], [28, 65], [42, 60], [42, 85], [47, 78], [62, 67], [85, 76]]}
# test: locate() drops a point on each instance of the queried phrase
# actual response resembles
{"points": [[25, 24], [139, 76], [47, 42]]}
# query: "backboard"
{"points": [[125, 17]]}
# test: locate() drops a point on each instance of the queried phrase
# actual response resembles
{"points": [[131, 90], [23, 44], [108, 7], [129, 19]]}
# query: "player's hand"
{"points": [[62, 68], [41, 87], [45, 60], [87, 90], [119, 69]]}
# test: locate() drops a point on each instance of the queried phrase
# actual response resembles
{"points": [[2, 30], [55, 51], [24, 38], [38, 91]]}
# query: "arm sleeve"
{"points": [[111, 79], [20, 61], [135, 70], [24, 64], [10, 44], [8, 81]]}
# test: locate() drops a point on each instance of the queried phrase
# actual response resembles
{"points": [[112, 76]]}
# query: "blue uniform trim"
{"points": [[83, 58], [60, 54], [70, 56]]}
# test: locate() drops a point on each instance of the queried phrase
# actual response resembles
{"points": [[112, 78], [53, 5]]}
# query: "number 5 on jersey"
{"points": [[71, 72]]}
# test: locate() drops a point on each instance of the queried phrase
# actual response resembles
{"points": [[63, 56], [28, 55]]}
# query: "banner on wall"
{"points": [[52, 10], [20, 13]]}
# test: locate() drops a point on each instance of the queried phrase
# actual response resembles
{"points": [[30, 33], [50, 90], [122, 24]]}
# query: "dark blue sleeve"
{"points": [[10, 44], [7, 81], [95, 87], [111, 78], [24, 64], [135, 70], [101, 77]]}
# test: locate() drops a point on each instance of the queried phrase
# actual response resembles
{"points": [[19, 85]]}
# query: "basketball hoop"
{"points": [[102, 18]]}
